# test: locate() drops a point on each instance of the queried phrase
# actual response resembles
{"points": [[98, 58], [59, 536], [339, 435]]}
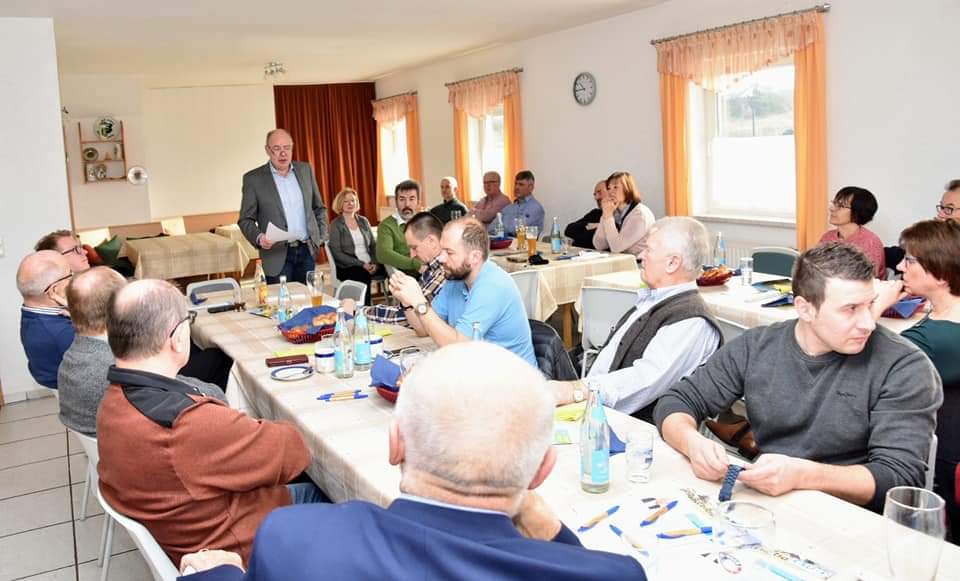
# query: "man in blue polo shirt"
{"points": [[476, 291]]}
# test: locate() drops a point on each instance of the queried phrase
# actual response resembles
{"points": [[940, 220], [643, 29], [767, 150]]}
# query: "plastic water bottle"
{"points": [[362, 356], [342, 347], [260, 283], [594, 445], [283, 300], [720, 251], [476, 335], [498, 227], [555, 240]]}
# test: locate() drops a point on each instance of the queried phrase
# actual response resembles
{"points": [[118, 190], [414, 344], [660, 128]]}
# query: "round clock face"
{"points": [[584, 88]]}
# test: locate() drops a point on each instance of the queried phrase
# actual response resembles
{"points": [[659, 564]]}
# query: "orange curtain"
{"points": [[333, 130], [414, 159], [461, 154], [810, 123], [381, 189], [512, 141], [676, 162]]}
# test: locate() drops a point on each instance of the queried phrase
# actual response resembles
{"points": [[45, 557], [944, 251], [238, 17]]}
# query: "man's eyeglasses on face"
{"points": [[54, 283], [945, 210], [78, 249], [191, 316], [279, 148]]}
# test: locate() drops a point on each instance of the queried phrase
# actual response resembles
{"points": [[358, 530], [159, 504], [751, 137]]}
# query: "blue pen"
{"points": [[779, 572], [595, 520], [345, 393], [625, 538], [658, 513], [679, 534]]}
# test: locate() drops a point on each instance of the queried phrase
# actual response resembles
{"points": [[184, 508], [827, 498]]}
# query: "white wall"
{"points": [[891, 103], [34, 190], [88, 97], [201, 140]]}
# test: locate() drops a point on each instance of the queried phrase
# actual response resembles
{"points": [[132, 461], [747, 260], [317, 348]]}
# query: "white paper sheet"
{"points": [[276, 234]]}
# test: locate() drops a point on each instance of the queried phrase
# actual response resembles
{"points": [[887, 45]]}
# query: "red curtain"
{"points": [[333, 129]]}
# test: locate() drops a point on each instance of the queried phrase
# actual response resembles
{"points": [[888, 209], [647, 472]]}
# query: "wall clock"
{"points": [[584, 88]]}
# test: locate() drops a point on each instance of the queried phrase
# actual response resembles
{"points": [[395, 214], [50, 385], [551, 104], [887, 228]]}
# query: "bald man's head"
{"points": [[89, 296], [445, 395], [141, 317], [38, 271]]}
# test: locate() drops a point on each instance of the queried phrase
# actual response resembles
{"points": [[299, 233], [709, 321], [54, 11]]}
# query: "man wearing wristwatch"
{"points": [[476, 291]]}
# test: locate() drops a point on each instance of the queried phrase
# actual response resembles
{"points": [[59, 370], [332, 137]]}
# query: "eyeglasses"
{"points": [[945, 210], [54, 283], [910, 260], [191, 316], [279, 148], [78, 249]]}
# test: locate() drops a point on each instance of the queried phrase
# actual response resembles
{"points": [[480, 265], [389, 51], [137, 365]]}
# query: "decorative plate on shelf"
{"points": [[90, 154], [106, 128], [137, 175], [100, 171]]}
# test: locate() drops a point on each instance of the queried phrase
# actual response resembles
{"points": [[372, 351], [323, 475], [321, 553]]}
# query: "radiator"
{"points": [[735, 251]]}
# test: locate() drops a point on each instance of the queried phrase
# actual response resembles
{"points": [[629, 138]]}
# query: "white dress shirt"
{"points": [[675, 351]]}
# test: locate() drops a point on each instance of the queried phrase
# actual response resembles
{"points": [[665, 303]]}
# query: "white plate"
{"points": [[106, 128], [292, 373], [90, 154]]}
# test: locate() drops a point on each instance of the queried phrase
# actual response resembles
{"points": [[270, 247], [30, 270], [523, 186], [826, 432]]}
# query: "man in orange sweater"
{"points": [[195, 472]]}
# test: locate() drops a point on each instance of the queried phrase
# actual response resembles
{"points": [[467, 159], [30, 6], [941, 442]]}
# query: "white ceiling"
{"points": [[183, 42]]}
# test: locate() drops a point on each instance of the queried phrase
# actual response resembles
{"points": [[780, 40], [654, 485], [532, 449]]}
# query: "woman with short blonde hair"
{"points": [[352, 244], [624, 221]]}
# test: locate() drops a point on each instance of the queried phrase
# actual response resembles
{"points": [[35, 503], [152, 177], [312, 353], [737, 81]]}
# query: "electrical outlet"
{"points": [[3, 250]]}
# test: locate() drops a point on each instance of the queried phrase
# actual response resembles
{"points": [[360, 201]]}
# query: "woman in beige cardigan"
{"points": [[624, 221]]}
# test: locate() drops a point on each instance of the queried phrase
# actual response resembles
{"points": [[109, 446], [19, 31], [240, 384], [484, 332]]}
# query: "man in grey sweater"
{"points": [[82, 375], [836, 404]]}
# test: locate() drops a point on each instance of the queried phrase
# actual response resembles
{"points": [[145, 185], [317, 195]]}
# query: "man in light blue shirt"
{"points": [[476, 291], [524, 204]]}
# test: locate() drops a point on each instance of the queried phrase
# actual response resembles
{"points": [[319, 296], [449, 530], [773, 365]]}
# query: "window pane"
{"points": [[759, 105], [485, 141], [393, 155]]}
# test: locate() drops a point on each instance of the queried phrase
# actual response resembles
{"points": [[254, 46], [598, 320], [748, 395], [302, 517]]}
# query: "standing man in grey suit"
{"points": [[285, 193]]}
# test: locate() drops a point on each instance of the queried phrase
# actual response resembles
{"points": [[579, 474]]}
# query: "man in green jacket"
{"points": [[392, 249]]}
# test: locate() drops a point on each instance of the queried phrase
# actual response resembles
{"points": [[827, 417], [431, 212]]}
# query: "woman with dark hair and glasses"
{"points": [[931, 269], [850, 210]]}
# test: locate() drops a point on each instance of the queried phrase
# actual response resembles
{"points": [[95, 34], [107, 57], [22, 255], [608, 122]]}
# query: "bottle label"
{"points": [[361, 353], [339, 362], [600, 467], [555, 245]]}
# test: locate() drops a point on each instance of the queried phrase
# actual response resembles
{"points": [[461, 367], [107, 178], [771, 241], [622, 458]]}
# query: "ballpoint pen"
{"points": [[658, 513], [346, 392], [595, 520], [626, 538], [677, 534], [346, 397]]}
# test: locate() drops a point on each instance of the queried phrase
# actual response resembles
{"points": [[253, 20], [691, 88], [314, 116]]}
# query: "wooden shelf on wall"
{"points": [[112, 143]]}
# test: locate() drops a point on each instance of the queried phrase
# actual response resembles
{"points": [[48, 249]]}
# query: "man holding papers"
{"points": [[282, 213]]}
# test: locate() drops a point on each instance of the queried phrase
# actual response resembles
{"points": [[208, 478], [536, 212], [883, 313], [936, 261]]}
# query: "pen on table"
{"points": [[778, 571], [625, 538], [330, 394], [658, 513], [346, 397], [684, 533], [593, 522]]}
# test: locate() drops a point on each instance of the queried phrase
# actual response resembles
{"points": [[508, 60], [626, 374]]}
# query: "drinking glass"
{"points": [[532, 232], [639, 453], [409, 357], [915, 526], [746, 271], [565, 244], [315, 287], [741, 525], [520, 228], [455, 215]]}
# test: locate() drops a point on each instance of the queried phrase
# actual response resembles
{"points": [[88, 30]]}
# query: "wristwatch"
{"points": [[422, 309], [578, 395]]}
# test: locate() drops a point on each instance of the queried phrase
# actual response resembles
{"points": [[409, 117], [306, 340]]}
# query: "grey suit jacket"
{"points": [[341, 242], [261, 204]]}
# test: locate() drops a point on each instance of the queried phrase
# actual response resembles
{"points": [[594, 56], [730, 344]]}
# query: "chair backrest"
{"points": [[351, 289], [334, 281], [528, 281], [552, 358], [928, 474], [211, 286], [729, 329], [160, 564], [89, 446], [778, 260], [601, 308]]}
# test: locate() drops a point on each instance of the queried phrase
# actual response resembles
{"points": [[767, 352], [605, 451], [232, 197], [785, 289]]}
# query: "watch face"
{"points": [[422, 309], [584, 88]]}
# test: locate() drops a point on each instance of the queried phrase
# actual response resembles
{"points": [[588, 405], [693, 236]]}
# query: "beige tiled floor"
{"points": [[42, 470]]}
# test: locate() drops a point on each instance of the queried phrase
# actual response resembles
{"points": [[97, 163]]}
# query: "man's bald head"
{"points": [[141, 316], [277, 133], [89, 295], [444, 397], [38, 271]]}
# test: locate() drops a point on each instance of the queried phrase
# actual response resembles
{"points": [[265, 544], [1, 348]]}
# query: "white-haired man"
{"points": [[45, 328], [449, 190], [666, 335], [467, 509]]}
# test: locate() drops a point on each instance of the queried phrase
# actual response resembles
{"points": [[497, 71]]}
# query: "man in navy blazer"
{"points": [[470, 452], [284, 192]]}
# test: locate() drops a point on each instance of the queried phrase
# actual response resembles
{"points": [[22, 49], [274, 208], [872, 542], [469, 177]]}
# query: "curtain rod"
{"points": [[513, 70], [818, 8], [397, 95]]}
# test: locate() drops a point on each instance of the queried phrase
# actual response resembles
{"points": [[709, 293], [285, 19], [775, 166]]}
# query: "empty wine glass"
{"points": [[916, 526], [742, 525]]}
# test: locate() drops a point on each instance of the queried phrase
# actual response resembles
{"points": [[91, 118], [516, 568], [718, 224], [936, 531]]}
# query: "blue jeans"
{"points": [[306, 493], [299, 262]]}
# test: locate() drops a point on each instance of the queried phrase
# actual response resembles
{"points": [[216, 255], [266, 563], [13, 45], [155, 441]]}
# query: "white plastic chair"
{"points": [[334, 281], [351, 289], [528, 282], [157, 560], [601, 308], [730, 329], [91, 484], [929, 473]]}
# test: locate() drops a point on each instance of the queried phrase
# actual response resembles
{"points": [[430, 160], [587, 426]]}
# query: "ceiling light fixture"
{"points": [[273, 70]]}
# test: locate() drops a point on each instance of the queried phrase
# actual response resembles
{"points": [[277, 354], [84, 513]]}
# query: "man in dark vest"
{"points": [[665, 336]]}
